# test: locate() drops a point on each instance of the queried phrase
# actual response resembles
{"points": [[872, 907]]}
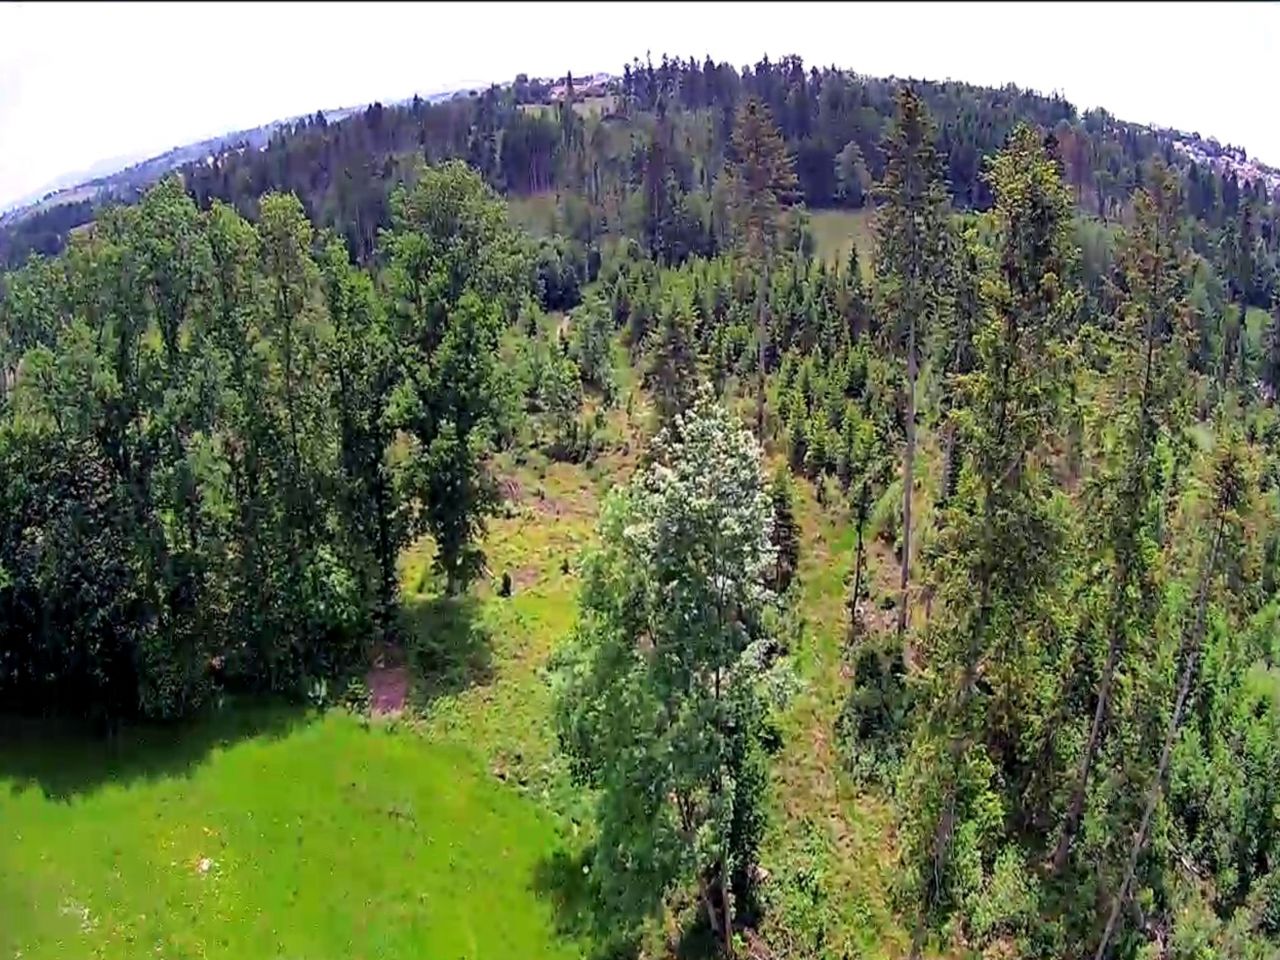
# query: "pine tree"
{"points": [[910, 262], [786, 532], [857, 310], [999, 547], [674, 371], [1149, 377], [761, 181], [1230, 489], [1271, 364]]}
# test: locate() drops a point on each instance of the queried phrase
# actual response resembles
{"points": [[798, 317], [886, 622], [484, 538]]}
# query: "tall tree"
{"points": [[999, 553], [762, 181], [910, 267], [1149, 374], [659, 707], [456, 272], [361, 356]]}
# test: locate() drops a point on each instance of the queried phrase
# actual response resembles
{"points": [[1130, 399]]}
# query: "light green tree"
{"points": [[659, 706]]}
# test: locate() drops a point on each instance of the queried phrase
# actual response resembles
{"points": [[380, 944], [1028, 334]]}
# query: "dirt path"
{"points": [[388, 681]]}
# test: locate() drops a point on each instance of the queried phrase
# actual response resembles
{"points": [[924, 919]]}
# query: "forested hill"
{"points": [[642, 155], [989, 668]]}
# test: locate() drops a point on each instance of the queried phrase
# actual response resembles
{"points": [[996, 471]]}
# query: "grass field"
{"points": [[268, 833], [835, 231], [534, 214]]}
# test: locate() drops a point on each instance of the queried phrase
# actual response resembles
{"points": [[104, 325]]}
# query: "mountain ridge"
{"points": [[69, 187]]}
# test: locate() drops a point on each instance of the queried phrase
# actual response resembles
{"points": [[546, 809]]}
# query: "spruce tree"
{"points": [[786, 532], [910, 269], [1148, 381], [1230, 491], [1000, 547], [761, 180]]}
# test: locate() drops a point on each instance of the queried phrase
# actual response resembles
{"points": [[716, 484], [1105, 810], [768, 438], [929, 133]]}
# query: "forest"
{"points": [[915, 599]]}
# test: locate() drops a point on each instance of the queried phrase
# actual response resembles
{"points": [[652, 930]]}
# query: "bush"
{"points": [[560, 270], [1008, 903]]}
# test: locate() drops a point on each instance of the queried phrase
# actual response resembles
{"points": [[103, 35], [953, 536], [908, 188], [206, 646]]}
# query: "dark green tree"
{"points": [[910, 269]]}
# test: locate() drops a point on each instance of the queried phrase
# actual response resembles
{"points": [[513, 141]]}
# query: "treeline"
{"points": [[648, 161], [43, 234], [198, 484]]}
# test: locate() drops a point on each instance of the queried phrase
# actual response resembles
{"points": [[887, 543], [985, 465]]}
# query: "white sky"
{"points": [[83, 83]]}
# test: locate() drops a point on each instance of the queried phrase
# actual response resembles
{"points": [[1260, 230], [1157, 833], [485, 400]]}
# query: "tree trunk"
{"points": [[707, 903], [908, 465], [1090, 751], [941, 843], [948, 457], [386, 560], [726, 914], [854, 625], [1157, 784], [761, 315]]}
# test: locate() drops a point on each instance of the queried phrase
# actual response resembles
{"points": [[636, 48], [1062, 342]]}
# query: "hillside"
{"points": [[343, 169], [122, 179], [796, 516]]}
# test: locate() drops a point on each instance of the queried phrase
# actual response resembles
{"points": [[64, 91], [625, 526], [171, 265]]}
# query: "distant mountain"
{"points": [[122, 177], [68, 181]]}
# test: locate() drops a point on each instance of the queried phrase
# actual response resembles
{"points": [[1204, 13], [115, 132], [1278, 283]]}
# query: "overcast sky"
{"points": [[84, 83]]}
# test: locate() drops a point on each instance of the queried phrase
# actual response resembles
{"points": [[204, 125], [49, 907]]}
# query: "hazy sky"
{"points": [[83, 83]]}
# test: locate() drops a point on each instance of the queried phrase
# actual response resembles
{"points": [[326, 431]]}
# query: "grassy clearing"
{"points": [[828, 848], [268, 832], [503, 645], [587, 106], [835, 231], [329, 836], [535, 214]]}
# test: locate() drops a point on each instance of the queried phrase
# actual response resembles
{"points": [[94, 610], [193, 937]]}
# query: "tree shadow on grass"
{"points": [[65, 758], [560, 879], [449, 648], [697, 940]]}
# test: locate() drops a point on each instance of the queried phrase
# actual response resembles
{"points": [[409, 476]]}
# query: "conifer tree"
{"points": [[1230, 494], [762, 181], [1148, 380], [910, 264], [1000, 547], [786, 532]]}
